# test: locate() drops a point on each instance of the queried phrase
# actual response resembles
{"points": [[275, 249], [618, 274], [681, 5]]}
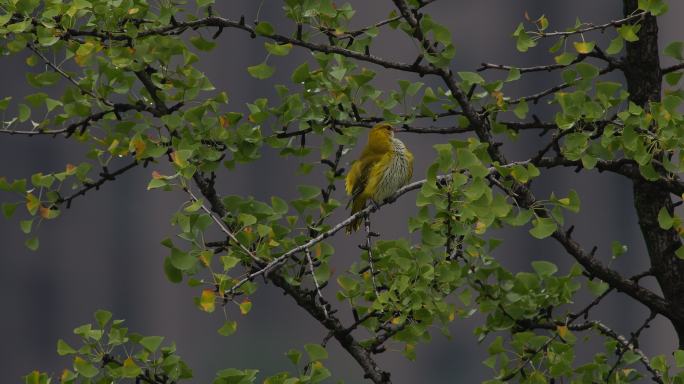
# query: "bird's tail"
{"points": [[357, 205]]}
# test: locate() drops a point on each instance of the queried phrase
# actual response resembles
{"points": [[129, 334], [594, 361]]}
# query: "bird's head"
{"points": [[380, 137]]}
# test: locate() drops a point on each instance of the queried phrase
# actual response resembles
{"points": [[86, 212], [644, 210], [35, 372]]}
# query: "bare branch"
{"points": [[538, 96], [307, 252], [673, 68], [105, 177], [625, 167], [588, 27]]}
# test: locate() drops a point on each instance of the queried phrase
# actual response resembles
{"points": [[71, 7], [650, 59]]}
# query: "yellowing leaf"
{"points": [[480, 227], [562, 330], [205, 258], [47, 213], [113, 145], [70, 169], [139, 146], [130, 368], [245, 306], [206, 302], [584, 46], [32, 203]]}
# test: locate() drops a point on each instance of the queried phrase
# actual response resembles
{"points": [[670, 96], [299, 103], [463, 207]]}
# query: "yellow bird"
{"points": [[385, 166]]}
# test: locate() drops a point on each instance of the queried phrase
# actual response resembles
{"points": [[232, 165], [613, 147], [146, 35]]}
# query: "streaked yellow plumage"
{"points": [[385, 166]]}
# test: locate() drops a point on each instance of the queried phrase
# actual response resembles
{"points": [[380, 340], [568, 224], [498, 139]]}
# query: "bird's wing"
{"points": [[376, 172], [357, 178], [409, 159]]}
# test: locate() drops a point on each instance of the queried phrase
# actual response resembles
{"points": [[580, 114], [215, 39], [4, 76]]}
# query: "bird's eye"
{"points": [[388, 128]]}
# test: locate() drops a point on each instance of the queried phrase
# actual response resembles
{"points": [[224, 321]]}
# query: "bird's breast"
{"points": [[396, 173]]}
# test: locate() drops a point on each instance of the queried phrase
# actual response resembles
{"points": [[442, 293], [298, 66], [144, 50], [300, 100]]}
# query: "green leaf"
{"points": [[523, 41], [151, 343], [430, 236], [680, 252], [182, 260], [228, 328], [521, 109], [543, 227], [544, 268], [264, 29], [308, 192], [172, 273], [246, 219], [679, 358], [200, 43], [673, 78], [157, 183], [565, 58], [316, 352], [586, 70], [674, 50], [32, 243], [24, 112], [513, 75], [471, 77], [261, 71], [655, 7], [25, 226], [278, 49], [194, 206], [664, 219], [294, 355], [8, 209], [597, 287], [629, 32], [64, 349], [84, 368], [4, 102], [102, 317], [615, 46], [572, 202], [301, 73], [617, 249]]}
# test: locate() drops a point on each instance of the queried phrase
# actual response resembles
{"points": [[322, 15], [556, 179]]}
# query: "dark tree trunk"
{"points": [[643, 74]]}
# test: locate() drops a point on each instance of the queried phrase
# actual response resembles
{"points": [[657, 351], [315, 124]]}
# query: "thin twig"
{"points": [[307, 252], [223, 227], [592, 27], [67, 76], [368, 246]]}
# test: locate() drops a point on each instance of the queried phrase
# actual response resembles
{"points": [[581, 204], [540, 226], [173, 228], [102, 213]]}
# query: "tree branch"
{"points": [[307, 301], [592, 27], [105, 177], [524, 197], [673, 68]]}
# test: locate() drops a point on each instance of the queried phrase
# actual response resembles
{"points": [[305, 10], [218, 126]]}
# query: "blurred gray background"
{"points": [[104, 252]]}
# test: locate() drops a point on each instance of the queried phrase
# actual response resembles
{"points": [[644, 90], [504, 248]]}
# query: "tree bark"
{"points": [[643, 73]]}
